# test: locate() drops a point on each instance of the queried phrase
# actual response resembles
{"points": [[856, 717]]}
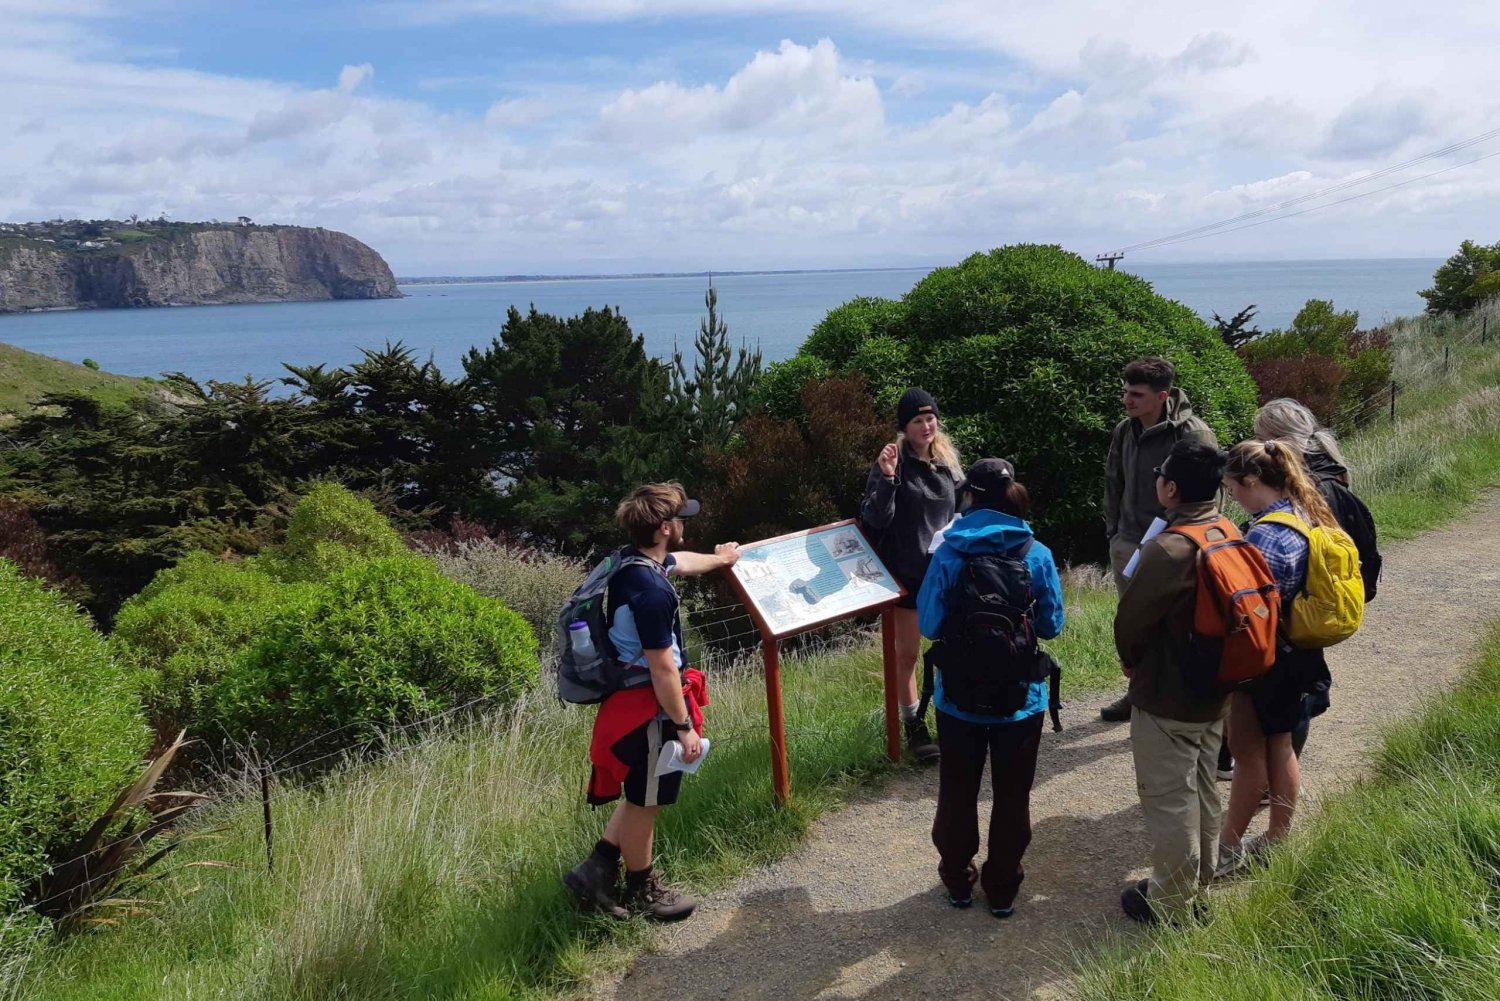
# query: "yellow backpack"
{"points": [[1331, 605]]}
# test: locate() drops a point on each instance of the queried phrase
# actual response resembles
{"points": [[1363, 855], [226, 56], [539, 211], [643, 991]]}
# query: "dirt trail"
{"points": [[858, 911]]}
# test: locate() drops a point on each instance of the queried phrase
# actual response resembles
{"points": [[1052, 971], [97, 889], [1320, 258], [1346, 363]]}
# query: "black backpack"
{"points": [[1355, 518], [988, 650]]}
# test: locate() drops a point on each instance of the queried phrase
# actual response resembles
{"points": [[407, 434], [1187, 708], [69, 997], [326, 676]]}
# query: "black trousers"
{"points": [[1011, 750]]}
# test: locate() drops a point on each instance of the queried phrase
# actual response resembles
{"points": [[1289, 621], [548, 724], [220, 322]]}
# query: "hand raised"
{"points": [[888, 458]]}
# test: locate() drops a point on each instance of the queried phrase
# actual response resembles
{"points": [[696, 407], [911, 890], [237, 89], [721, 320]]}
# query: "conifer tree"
{"points": [[717, 396]]}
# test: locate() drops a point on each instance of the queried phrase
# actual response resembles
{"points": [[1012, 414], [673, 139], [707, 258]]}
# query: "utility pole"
{"points": [[1111, 258]]}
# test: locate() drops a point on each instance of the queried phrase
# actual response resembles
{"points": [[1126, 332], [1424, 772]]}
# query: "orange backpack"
{"points": [[1235, 619]]}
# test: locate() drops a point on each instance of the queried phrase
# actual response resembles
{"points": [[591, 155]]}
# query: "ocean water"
{"points": [[774, 311]]}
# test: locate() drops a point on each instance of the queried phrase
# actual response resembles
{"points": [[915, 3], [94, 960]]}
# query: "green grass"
{"points": [[433, 872], [1391, 894], [1444, 448], [25, 377]]}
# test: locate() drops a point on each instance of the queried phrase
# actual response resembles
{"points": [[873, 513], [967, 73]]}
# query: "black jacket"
{"points": [[901, 515], [1352, 514]]}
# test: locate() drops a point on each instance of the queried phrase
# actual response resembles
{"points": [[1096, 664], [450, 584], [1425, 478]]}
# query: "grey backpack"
{"points": [[593, 676]]}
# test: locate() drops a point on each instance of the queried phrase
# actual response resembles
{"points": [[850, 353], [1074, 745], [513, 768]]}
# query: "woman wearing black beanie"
{"points": [[909, 496]]}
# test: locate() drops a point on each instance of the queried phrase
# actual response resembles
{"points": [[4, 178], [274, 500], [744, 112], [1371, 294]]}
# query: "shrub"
{"points": [[786, 475], [384, 641], [1463, 280], [24, 543], [1023, 348], [532, 582], [71, 733], [89, 363], [185, 632], [1312, 379], [779, 391], [330, 529]]}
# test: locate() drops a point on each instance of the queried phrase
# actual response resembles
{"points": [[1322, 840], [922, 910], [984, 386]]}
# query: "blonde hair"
{"points": [[641, 514], [1288, 420], [944, 452], [1279, 465]]}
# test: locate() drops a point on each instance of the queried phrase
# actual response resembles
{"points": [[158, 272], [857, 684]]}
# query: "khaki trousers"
{"points": [[1174, 774], [1120, 552]]}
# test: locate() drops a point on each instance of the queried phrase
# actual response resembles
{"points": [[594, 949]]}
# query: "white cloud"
{"points": [[794, 89], [794, 155]]}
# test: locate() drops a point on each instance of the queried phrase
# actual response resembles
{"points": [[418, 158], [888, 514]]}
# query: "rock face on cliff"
{"points": [[200, 266]]}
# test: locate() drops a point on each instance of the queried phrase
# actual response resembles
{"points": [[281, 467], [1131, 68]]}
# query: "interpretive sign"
{"points": [[796, 582]]}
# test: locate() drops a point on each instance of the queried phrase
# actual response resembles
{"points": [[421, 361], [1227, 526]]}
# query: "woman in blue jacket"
{"points": [[993, 523]]}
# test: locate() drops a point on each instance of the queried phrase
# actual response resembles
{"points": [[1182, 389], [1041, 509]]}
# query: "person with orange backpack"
{"points": [[1198, 616], [1316, 566]]}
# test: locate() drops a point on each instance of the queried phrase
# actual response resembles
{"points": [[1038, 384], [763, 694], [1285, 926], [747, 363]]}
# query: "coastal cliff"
{"points": [[189, 264]]}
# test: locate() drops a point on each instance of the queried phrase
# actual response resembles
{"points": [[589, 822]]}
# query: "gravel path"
{"points": [[858, 911]]}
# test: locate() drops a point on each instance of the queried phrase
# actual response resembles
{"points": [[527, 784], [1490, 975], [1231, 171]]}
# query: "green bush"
{"points": [[839, 334], [1023, 348], [71, 733], [331, 529], [89, 363], [779, 391], [185, 632], [384, 641]]}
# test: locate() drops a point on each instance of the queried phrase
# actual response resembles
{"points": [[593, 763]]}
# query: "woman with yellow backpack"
{"points": [[1316, 566]]}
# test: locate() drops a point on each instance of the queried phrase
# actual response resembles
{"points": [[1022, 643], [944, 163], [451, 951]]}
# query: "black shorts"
{"points": [[912, 587], [1295, 689], [639, 750]]}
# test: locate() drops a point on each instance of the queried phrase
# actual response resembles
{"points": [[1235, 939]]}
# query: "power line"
{"points": [[1321, 193]]}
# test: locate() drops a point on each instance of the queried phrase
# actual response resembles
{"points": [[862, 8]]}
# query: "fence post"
{"points": [[1445, 359], [1484, 328], [1393, 401], [265, 805]]}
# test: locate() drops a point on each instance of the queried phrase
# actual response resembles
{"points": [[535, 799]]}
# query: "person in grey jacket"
{"points": [[1157, 416], [909, 497]]}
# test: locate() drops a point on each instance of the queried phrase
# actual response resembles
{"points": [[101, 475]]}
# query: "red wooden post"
{"points": [[781, 779], [888, 655]]}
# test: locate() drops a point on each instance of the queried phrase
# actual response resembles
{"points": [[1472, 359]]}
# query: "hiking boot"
{"points": [[645, 895], [592, 883], [1237, 859], [1136, 908], [1117, 711], [920, 742]]}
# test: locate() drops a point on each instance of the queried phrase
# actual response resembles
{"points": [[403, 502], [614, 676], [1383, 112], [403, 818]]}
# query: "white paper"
{"points": [[670, 759], [1156, 528], [940, 534]]}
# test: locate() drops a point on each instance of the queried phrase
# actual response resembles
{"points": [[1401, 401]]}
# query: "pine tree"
{"points": [[717, 396]]}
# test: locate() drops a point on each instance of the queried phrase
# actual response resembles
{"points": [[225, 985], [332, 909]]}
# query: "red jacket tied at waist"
{"points": [[628, 710]]}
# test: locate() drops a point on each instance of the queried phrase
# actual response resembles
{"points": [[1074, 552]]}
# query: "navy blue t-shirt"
{"points": [[642, 609]]}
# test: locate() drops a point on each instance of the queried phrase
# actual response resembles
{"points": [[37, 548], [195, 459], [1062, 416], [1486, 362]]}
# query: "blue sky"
{"points": [[509, 136]]}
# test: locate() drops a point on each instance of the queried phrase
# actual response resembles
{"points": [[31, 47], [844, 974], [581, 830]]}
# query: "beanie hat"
{"points": [[914, 403]]}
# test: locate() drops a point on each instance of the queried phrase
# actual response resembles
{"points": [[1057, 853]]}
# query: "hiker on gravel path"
{"points": [[991, 683], [1175, 727], [1267, 478], [1157, 416], [909, 497], [636, 721], [1289, 421]]}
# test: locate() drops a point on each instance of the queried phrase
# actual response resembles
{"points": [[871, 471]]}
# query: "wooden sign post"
{"points": [[801, 581]]}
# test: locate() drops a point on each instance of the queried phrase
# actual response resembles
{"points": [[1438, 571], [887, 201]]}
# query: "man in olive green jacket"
{"points": [[1157, 416], [1175, 732]]}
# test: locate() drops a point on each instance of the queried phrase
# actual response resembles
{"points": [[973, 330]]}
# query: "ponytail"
{"points": [[1279, 465]]}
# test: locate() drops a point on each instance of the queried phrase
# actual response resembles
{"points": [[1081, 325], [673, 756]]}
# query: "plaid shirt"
{"points": [[1284, 548]]}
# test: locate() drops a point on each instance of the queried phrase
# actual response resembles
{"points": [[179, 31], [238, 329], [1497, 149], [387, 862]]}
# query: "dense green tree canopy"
{"points": [[1465, 279], [1023, 348]]}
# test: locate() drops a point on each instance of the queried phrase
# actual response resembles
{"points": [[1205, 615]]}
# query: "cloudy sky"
{"points": [[595, 136]]}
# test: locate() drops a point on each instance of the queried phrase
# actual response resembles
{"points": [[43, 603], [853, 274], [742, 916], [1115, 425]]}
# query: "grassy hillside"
{"points": [[26, 377]]}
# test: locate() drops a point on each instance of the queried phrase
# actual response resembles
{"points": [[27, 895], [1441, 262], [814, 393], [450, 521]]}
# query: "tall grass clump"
{"points": [[434, 872], [1391, 894], [531, 582], [1444, 447]]}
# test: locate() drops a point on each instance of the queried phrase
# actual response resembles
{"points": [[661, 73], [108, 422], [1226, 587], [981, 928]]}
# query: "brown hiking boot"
{"points": [[645, 895], [592, 884], [919, 741]]}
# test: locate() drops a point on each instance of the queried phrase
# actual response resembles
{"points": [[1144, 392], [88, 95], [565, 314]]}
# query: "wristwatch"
{"points": [[683, 726]]}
